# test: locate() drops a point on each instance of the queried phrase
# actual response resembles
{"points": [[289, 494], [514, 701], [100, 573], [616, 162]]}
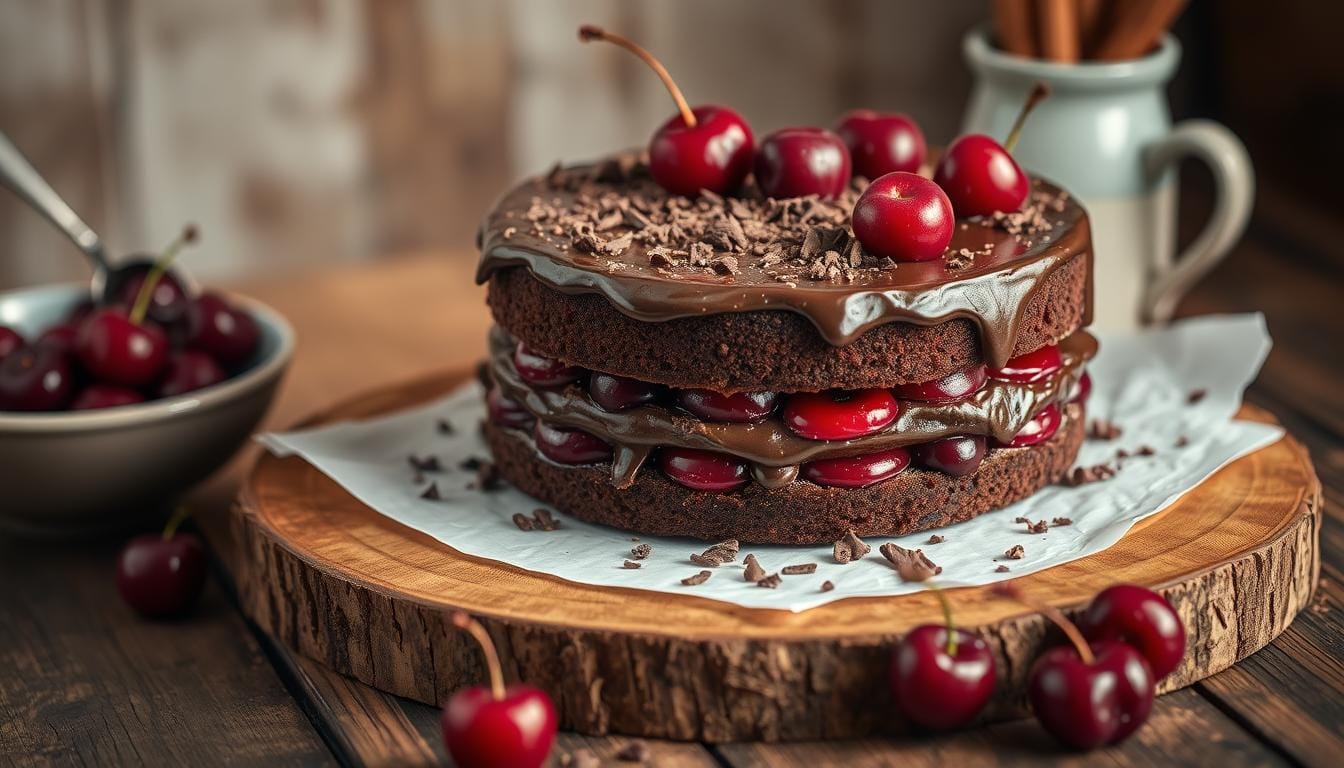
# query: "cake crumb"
{"points": [[1084, 475], [1039, 526], [769, 582], [912, 565], [699, 578], [431, 493], [1016, 552], [754, 572], [1103, 429], [641, 551], [827, 586], [631, 564], [1196, 395], [850, 548], [1001, 569], [936, 539], [1058, 521]]}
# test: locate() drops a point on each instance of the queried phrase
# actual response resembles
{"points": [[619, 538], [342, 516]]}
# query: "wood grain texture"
{"points": [[338, 582]]}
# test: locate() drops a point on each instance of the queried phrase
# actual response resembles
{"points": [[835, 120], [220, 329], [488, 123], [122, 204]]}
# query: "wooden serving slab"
{"points": [[1238, 557]]}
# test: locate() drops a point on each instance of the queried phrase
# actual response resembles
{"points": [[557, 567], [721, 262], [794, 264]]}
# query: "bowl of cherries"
{"points": [[107, 412]]}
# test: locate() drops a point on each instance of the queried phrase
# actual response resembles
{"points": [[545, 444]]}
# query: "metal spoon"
{"points": [[23, 179]]}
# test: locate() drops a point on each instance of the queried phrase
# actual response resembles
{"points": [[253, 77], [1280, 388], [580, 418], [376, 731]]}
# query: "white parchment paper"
{"points": [[1141, 382]]}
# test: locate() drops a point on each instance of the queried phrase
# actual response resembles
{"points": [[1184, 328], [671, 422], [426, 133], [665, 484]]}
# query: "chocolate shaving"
{"points": [[544, 519], [827, 586], [1001, 569], [936, 539], [1147, 450], [1061, 521], [1016, 552], [700, 254], [523, 522], [444, 427], [754, 571], [630, 564], [1196, 395], [1101, 429], [426, 464], [487, 476], [911, 564], [470, 464], [796, 570], [635, 752], [641, 551], [1182, 441], [1040, 526], [850, 547], [725, 265], [431, 493], [769, 582], [1084, 475], [699, 578]]}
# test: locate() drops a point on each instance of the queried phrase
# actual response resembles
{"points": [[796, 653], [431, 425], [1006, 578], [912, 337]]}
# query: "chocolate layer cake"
{"points": [[741, 367]]}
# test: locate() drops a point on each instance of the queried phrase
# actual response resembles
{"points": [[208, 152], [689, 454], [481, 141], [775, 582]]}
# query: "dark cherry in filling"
{"points": [[1031, 367], [1083, 389], [542, 371], [857, 471], [956, 456], [506, 412], [739, 407], [569, 446], [1041, 427], [617, 393], [702, 470], [840, 415], [952, 387]]}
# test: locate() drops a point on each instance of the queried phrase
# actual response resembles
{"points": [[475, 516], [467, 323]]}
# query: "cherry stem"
{"points": [[1037, 95], [141, 305], [179, 516], [947, 618], [473, 627], [588, 33], [1054, 614]]}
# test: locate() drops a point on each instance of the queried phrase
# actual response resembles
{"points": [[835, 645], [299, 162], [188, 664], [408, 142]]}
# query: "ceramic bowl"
{"points": [[84, 472]]}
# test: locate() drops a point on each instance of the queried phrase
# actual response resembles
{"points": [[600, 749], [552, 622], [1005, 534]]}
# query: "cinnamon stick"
{"points": [[1090, 20], [1013, 27], [1057, 22], [1135, 28]]}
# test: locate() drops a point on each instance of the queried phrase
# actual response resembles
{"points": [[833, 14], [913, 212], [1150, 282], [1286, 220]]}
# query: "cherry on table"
{"points": [[188, 370], [117, 349], [703, 470], [618, 393], [1041, 428], [161, 574], [857, 471], [10, 340], [881, 142], [569, 446], [1142, 618], [506, 412], [708, 147], [501, 726], [220, 329], [35, 378], [840, 414], [794, 162], [941, 676], [952, 387], [543, 371], [739, 407], [956, 456], [96, 396], [1030, 367], [980, 176], [904, 217]]}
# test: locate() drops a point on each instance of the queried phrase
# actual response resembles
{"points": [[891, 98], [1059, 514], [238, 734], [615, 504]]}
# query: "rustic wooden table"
{"points": [[83, 681]]}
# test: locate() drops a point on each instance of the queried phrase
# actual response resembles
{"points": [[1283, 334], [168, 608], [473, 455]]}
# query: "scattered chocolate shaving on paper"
{"points": [[487, 476], [699, 578], [1147, 450], [1084, 475], [1196, 395], [635, 752], [431, 493], [1061, 521], [1016, 552], [523, 522], [1001, 569], [849, 548], [640, 552], [1103, 429], [769, 582], [713, 557], [911, 564], [936, 539], [631, 564], [1020, 519], [444, 427], [544, 519], [425, 464], [470, 464], [796, 570], [754, 571], [1182, 441], [1040, 526], [827, 586]]}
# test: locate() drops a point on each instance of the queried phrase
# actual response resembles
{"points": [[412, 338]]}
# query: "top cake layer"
{"points": [[722, 273]]}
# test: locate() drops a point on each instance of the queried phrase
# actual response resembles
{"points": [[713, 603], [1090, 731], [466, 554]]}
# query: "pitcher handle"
{"points": [[1226, 157]]}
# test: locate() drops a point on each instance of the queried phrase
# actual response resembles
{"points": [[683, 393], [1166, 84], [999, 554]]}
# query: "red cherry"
{"points": [[709, 147], [1041, 428], [97, 396], [569, 446], [951, 387], [1142, 618], [62, 336], [218, 328], [794, 162], [857, 471], [1083, 390], [500, 726], [35, 378], [1030, 367], [740, 407], [161, 575], [937, 684], [10, 340], [189, 370], [80, 311], [956, 456], [617, 393], [542, 371], [117, 350], [980, 176], [881, 142], [506, 412], [903, 217], [702, 470], [1088, 704], [169, 302], [840, 414]]}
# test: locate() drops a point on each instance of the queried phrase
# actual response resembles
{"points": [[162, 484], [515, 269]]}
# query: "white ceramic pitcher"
{"points": [[1105, 133]]}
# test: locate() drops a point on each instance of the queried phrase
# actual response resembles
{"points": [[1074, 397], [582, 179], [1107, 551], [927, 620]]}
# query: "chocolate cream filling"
{"points": [[999, 409]]}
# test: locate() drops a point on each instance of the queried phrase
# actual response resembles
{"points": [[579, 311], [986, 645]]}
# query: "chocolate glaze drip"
{"points": [[1000, 409], [992, 291]]}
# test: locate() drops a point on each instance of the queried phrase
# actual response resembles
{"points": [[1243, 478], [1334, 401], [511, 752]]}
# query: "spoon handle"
{"points": [[19, 175]]}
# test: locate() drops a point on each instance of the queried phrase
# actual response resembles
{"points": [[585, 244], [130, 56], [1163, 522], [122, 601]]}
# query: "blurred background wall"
{"points": [[300, 132]]}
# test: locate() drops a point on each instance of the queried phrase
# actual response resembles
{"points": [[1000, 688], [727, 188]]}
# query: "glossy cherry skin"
{"points": [[218, 328], [117, 351], [1088, 706], [1083, 390], [716, 154], [10, 340], [569, 446], [1041, 428], [506, 412], [1142, 618], [903, 217], [97, 396], [857, 471], [937, 690], [62, 335], [1038, 365], [617, 393], [840, 414], [513, 732], [35, 378], [543, 371], [881, 142], [794, 162], [188, 370], [980, 177], [956, 456], [702, 470], [169, 302], [740, 407], [161, 577], [950, 388]]}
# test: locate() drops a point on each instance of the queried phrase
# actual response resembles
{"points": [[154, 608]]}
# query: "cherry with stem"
{"points": [[980, 175], [161, 574], [941, 676]]}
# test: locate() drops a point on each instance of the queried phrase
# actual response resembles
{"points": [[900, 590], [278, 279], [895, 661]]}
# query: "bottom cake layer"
{"points": [[798, 513]]}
